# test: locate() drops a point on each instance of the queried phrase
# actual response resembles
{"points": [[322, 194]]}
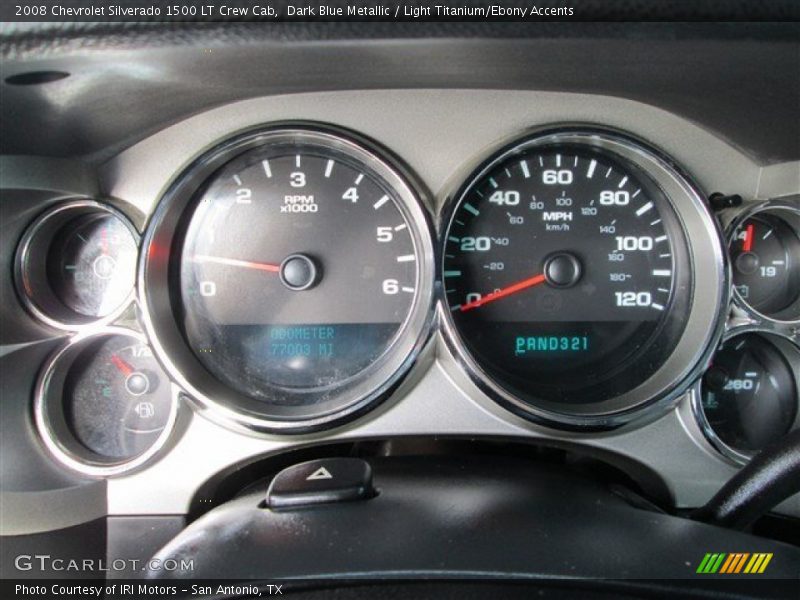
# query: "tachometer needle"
{"points": [[748, 238], [506, 291], [233, 262], [123, 367]]}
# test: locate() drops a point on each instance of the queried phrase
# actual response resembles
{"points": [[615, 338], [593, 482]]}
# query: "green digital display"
{"points": [[543, 344]]}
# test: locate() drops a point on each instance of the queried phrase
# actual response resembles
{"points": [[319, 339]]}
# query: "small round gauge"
{"points": [[104, 403], [765, 254], [568, 278], [92, 264], [305, 277], [77, 264], [749, 395]]}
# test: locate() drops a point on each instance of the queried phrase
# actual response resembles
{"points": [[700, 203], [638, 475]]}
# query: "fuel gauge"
{"points": [[104, 404], [117, 399]]}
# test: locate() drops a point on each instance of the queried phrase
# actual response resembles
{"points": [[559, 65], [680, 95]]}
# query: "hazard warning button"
{"points": [[321, 481]]}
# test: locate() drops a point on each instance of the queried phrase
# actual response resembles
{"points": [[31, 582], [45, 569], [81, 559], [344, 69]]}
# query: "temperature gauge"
{"points": [[749, 396], [765, 253]]}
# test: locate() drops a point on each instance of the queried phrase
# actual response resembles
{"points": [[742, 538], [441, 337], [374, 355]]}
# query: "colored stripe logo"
{"points": [[734, 563]]}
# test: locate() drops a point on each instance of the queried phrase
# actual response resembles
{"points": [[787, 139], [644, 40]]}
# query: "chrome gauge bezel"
{"points": [[696, 392], [157, 294], [770, 207], [35, 298], [708, 263], [48, 404]]}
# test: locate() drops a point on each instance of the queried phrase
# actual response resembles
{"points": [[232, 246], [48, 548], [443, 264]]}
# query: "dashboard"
{"points": [[296, 280], [280, 271]]}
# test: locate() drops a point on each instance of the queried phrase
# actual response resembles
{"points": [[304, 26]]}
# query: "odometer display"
{"points": [[565, 275]]}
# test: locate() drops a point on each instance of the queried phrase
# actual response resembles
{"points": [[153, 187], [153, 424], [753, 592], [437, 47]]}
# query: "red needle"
{"points": [[506, 291], [748, 238], [123, 367], [233, 262]]}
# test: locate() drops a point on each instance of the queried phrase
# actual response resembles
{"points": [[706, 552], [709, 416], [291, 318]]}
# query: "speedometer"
{"points": [[569, 282], [300, 287]]}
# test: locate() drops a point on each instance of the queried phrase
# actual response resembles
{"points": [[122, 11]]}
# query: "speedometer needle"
{"points": [[234, 262], [506, 291]]}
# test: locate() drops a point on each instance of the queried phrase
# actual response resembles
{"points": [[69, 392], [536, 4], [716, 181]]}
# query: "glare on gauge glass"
{"points": [[91, 264]]}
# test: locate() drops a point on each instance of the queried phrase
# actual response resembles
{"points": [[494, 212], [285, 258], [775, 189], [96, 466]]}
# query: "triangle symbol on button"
{"points": [[321, 473]]}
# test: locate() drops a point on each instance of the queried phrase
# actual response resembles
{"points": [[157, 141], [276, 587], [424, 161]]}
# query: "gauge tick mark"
{"points": [[469, 208]]}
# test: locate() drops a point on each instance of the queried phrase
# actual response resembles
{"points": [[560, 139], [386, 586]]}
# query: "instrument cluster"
{"points": [[291, 276]]}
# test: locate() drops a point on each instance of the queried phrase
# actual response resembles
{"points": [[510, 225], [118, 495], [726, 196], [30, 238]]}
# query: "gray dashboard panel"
{"points": [[719, 74], [441, 135]]}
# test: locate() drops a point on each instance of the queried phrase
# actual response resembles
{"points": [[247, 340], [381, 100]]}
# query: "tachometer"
{"points": [[568, 278], [305, 277]]}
